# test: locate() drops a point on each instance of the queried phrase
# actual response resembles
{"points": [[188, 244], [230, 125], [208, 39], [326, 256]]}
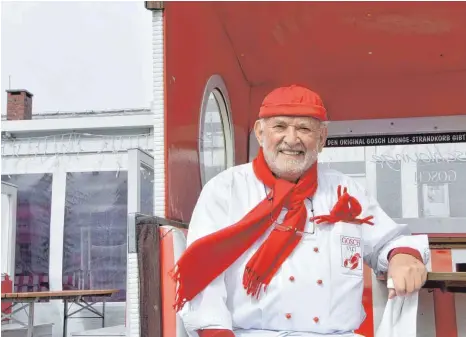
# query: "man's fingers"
{"points": [[400, 285], [407, 282], [397, 287], [410, 283], [418, 281], [391, 293], [424, 275]]}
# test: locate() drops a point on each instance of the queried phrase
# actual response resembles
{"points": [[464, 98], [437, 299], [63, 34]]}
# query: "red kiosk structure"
{"points": [[393, 76]]}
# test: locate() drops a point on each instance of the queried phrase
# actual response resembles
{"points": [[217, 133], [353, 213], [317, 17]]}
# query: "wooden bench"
{"points": [[445, 241]]}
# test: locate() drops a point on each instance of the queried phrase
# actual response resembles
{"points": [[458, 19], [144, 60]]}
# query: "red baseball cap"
{"points": [[293, 100]]}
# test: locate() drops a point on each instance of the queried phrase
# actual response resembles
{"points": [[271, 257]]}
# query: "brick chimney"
{"points": [[19, 105]]}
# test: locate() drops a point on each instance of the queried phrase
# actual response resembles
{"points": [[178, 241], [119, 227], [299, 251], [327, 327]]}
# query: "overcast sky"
{"points": [[75, 56]]}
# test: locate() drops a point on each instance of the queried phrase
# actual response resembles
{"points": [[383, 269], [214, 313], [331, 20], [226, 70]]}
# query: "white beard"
{"points": [[289, 168]]}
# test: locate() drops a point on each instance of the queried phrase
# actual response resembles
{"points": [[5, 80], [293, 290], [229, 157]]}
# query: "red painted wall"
{"points": [[239, 42], [196, 47], [398, 96]]}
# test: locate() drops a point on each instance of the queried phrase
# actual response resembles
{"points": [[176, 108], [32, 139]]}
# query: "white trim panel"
{"points": [[81, 123], [158, 109], [66, 163], [57, 227], [134, 202], [9, 230], [74, 144]]}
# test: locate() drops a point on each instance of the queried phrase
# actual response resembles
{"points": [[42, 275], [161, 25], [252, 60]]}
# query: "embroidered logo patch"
{"points": [[351, 253]]}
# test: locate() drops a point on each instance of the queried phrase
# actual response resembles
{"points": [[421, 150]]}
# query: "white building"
{"points": [[73, 172]]}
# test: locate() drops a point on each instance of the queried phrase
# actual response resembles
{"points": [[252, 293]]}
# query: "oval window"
{"points": [[215, 143]]}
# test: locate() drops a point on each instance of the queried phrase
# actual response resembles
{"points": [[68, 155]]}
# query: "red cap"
{"points": [[293, 101]]}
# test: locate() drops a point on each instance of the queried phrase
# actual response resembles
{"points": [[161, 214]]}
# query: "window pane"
{"points": [[5, 222], [94, 248], [212, 144], [441, 187], [32, 230], [147, 190]]}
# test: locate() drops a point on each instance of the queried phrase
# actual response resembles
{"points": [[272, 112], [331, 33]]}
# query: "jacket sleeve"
{"points": [[208, 309], [385, 236]]}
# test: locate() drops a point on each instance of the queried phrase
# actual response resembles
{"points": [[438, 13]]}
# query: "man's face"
{"points": [[290, 144]]}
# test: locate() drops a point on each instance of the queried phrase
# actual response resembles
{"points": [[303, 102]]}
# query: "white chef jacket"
{"points": [[313, 292]]}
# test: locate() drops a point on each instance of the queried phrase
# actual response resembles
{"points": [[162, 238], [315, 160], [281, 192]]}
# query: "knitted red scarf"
{"points": [[222, 248]]}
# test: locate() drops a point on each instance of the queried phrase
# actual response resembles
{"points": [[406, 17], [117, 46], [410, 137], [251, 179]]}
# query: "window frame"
{"points": [[216, 86], [9, 232]]}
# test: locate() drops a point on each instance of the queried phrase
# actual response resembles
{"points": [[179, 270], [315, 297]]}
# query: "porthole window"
{"points": [[216, 151]]}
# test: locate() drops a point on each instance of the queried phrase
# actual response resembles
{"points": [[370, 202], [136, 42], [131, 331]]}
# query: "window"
{"points": [[34, 202], [94, 246], [441, 188], [216, 143], [146, 175], [419, 184]]}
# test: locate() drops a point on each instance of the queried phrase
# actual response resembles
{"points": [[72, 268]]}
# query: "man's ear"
{"points": [[323, 138], [259, 132]]}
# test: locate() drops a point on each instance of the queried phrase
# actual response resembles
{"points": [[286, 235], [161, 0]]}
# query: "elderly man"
{"points": [[276, 246]]}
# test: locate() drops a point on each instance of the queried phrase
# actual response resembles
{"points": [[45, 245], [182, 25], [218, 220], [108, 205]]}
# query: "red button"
{"points": [[292, 278], [319, 281], [288, 316], [316, 319], [316, 249]]}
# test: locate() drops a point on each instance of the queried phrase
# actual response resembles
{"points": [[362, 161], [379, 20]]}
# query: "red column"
{"points": [[444, 303]]}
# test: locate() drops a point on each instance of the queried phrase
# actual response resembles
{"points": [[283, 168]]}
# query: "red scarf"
{"points": [[224, 247]]}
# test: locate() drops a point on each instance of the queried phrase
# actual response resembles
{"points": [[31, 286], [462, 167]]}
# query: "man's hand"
{"points": [[408, 274]]}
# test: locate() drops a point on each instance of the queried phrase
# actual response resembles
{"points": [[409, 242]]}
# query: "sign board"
{"points": [[406, 139], [418, 178]]}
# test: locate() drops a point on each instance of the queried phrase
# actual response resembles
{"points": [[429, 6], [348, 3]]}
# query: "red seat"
{"points": [[172, 245]]}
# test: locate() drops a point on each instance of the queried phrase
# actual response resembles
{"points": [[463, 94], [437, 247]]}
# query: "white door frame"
{"points": [[9, 230], [136, 159]]}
